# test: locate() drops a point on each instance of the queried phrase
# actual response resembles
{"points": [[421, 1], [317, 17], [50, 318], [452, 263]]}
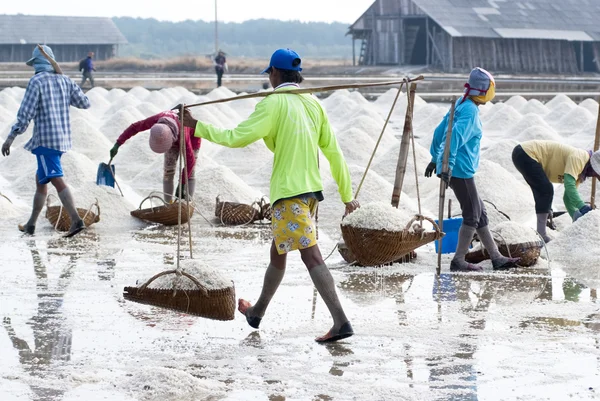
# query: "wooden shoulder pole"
{"points": [[404, 148], [445, 169], [596, 145]]}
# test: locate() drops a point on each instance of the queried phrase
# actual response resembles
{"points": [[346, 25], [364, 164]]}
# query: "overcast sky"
{"points": [[346, 11]]}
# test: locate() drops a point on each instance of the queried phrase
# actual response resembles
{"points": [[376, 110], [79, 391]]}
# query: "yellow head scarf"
{"points": [[489, 95]]}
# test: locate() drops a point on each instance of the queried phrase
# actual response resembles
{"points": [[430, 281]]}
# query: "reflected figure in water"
{"points": [[475, 295], [52, 339]]}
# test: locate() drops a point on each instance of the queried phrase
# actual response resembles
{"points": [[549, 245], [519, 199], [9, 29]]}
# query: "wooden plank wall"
{"points": [[64, 53], [516, 55]]}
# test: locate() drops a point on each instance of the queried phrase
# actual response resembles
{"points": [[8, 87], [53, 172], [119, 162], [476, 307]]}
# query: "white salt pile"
{"points": [[536, 107], [116, 124], [139, 92], [577, 249], [511, 233], [114, 94], [517, 102], [148, 109], [574, 120], [88, 140], [244, 160], [209, 277], [356, 145], [220, 180], [159, 100], [560, 101], [6, 116], [371, 127], [122, 103], [501, 153], [426, 120], [528, 121], [539, 133], [501, 119], [8, 102], [590, 105], [497, 185], [98, 103], [378, 216]]}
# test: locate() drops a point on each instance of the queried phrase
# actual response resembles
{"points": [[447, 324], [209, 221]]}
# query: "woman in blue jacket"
{"points": [[463, 162]]}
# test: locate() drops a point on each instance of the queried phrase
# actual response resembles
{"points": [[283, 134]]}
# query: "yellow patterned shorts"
{"points": [[293, 224]]}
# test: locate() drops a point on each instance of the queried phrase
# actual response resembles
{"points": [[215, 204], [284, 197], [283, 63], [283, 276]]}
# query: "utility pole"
{"points": [[216, 30]]}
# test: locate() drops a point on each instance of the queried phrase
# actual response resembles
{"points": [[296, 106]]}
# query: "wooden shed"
{"points": [[528, 36], [71, 38]]}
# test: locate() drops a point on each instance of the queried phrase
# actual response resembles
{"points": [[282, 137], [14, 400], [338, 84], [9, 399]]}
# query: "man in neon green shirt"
{"points": [[545, 162], [294, 127]]}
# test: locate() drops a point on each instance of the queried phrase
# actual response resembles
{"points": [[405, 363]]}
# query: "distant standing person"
{"points": [[220, 66], [87, 66], [47, 100]]}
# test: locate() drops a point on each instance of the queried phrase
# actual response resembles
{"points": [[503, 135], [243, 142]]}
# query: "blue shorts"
{"points": [[49, 166]]}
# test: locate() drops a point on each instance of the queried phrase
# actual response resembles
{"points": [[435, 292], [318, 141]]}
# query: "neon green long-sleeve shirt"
{"points": [[294, 128], [571, 197]]}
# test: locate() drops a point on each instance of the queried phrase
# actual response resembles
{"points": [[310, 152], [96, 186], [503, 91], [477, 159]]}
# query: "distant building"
{"points": [[527, 36], [71, 38]]}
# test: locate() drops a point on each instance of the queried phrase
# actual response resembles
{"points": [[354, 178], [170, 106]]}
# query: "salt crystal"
{"points": [[539, 133], [209, 277], [139, 92], [528, 121], [378, 216], [220, 180], [148, 109], [512, 233], [502, 119], [116, 124], [115, 94], [88, 140], [574, 120]]}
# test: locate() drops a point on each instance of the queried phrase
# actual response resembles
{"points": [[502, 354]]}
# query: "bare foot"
{"points": [[245, 309], [243, 306]]}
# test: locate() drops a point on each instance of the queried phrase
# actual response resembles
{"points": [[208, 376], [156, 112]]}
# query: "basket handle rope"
{"points": [[5, 197], [420, 217], [60, 210], [151, 197], [202, 288]]}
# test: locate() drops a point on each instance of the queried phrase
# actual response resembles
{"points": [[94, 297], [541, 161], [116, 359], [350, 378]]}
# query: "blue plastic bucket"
{"points": [[450, 240]]}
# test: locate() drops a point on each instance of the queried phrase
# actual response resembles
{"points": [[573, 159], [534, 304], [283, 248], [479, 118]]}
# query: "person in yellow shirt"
{"points": [[294, 127], [545, 162]]}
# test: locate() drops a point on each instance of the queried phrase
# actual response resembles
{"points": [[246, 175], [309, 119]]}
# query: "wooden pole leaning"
{"points": [[183, 150], [445, 169], [404, 147], [596, 146]]}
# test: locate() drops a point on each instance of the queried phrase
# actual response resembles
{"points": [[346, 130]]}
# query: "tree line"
{"points": [[151, 39]]}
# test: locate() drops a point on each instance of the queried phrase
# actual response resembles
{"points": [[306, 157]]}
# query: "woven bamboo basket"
{"points": [[60, 220], [212, 304], [379, 247], [237, 214], [529, 252], [265, 209], [167, 213], [349, 257]]}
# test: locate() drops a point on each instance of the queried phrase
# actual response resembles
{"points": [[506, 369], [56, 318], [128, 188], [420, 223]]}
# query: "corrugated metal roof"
{"points": [[576, 19], [22, 29]]}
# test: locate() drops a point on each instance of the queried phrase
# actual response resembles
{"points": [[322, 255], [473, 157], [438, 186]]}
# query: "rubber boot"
{"points": [[77, 224], [458, 263], [499, 261], [541, 226]]}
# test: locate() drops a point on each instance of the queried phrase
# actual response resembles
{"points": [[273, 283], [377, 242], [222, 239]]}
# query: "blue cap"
{"points": [[284, 59], [38, 55]]}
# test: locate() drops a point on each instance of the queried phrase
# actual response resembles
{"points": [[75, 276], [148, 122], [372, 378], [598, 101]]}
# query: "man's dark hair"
{"points": [[291, 76]]}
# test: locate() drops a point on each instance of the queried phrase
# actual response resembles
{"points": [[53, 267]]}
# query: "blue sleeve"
{"points": [[462, 131], [439, 136], [28, 109]]}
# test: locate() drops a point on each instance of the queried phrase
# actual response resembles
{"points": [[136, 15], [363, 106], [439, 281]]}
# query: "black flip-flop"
{"points": [[253, 321], [75, 231], [345, 332]]}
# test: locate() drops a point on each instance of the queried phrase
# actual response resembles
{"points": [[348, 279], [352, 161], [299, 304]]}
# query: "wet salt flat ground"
{"points": [[531, 334], [68, 334]]}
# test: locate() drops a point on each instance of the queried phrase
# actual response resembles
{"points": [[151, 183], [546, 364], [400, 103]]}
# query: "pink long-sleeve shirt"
{"points": [[192, 142]]}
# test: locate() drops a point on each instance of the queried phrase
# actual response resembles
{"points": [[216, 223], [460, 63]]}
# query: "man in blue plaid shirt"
{"points": [[46, 101]]}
